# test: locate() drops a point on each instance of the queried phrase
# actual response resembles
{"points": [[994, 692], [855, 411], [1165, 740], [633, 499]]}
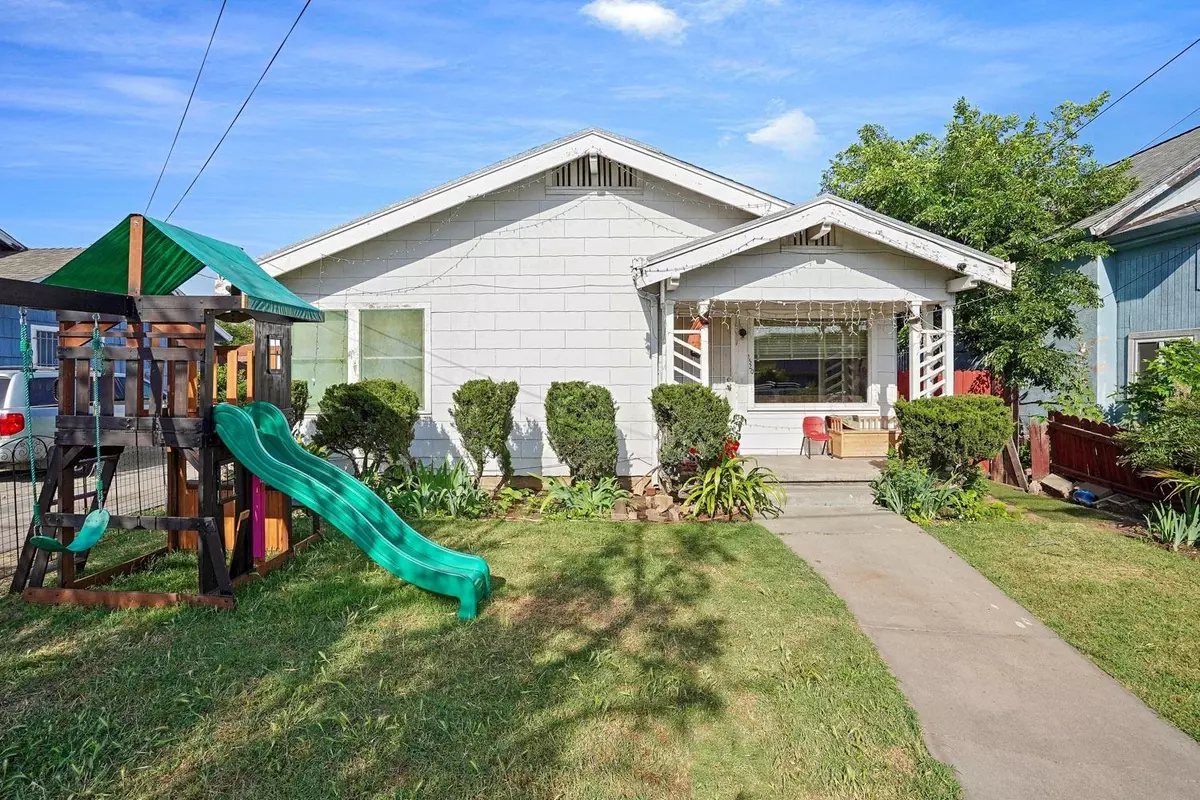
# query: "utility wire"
{"points": [[1139, 84], [188, 106], [1181, 120], [245, 102]]}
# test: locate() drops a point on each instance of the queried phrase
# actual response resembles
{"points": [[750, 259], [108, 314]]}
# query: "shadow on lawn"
{"points": [[336, 680]]}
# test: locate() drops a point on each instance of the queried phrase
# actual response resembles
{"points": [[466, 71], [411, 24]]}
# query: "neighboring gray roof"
{"points": [[36, 263], [7, 241], [1152, 167]]}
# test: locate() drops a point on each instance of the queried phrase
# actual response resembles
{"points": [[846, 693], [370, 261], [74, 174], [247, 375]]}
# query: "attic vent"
{"points": [[813, 237], [592, 172]]}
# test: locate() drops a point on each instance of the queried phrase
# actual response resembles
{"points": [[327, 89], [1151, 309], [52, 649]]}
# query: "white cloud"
{"points": [[792, 132], [644, 18]]}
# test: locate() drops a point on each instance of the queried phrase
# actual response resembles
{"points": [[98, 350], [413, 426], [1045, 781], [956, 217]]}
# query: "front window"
{"points": [[810, 362], [393, 346], [319, 353]]}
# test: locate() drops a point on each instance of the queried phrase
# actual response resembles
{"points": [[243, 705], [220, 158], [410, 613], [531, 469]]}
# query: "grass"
{"points": [[617, 661], [1127, 604]]}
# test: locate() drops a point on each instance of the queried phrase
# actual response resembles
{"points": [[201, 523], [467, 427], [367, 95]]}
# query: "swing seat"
{"points": [[93, 528]]}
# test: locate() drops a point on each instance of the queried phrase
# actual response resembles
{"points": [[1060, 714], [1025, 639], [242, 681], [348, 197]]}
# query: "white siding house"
{"points": [[579, 260]]}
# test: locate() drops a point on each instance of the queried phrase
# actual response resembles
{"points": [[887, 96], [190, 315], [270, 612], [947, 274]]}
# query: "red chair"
{"points": [[814, 431]]}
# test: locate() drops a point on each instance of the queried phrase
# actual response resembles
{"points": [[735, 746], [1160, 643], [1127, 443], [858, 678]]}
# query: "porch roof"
{"points": [[974, 265]]}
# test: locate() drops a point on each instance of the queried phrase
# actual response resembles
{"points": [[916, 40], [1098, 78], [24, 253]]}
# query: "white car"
{"points": [[14, 420]]}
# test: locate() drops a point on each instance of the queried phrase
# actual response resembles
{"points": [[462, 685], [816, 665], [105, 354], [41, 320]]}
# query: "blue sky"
{"points": [[372, 101]]}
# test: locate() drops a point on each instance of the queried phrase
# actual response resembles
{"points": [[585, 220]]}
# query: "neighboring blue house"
{"points": [[1150, 283], [29, 264]]}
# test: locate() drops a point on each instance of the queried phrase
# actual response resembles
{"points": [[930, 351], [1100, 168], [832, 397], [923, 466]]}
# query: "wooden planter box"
{"points": [[862, 437]]}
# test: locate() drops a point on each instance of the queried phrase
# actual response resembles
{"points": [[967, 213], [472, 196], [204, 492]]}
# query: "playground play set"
{"points": [[233, 470]]}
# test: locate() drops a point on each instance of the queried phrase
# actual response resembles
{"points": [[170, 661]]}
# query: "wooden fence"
{"points": [[1089, 451]]}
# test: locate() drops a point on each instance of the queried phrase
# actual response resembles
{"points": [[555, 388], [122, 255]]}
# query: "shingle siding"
{"points": [[545, 295]]}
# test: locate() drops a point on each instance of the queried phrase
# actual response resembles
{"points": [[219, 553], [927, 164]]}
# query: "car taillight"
{"points": [[11, 424]]}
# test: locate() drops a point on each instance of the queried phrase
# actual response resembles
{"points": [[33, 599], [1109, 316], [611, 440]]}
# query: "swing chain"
{"points": [[27, 372], [97, 368]]}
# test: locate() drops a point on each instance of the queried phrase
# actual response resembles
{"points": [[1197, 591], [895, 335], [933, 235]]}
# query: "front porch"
{"points": [[779, 363]]}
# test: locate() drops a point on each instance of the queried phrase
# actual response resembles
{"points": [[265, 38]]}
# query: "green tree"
{"points": [[1013, 188]]}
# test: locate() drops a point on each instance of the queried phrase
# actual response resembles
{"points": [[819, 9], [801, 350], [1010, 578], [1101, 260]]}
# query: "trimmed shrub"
{"points": [[299, 401], [581, 423], [948, 435], [482, 414], [372, 419], [693, 424], [1170, 440]]}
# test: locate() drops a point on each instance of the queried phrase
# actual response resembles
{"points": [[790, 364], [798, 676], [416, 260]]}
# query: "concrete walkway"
{"points": [[1017, 711]]}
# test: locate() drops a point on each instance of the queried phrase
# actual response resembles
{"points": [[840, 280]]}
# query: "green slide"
{"points": [[335, 497], [276, 437]]}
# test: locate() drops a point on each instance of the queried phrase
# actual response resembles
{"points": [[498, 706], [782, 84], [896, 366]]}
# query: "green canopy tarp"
{"points": [[170, 256]]}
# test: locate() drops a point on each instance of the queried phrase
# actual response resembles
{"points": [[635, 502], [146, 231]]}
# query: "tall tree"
{"points": [[1013, 188]]}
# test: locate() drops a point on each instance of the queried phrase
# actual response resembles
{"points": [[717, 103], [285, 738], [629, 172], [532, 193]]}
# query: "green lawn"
{"points": [[1132, 607], [618, 660]]}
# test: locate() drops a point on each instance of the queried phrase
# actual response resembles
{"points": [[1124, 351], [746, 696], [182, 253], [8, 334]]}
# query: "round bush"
{"points": [[581, 423], [947, 435], [374, 417]]}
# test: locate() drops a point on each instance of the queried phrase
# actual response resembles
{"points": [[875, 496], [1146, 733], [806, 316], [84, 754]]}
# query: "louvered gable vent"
{"points": [[593, 172]]}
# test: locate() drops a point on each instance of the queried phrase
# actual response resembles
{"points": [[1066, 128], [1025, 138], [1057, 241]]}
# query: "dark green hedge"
{"points": [[376, 417], [581, 424], [690, 417], [949, 434], [483, 416]]}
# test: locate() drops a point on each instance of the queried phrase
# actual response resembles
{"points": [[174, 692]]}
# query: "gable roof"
{"points": [[172, 255], [36, 263], [8, 242], [521, 167], [1158, 169], [827, 208]]}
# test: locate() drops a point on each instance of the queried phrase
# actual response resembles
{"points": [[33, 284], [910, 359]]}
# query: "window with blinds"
{"points": [[393, 346], [810, 363], [319, 354]]}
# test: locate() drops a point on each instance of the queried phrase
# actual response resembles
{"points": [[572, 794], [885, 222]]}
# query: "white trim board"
{"points": [[826, 208], [525, 166]]}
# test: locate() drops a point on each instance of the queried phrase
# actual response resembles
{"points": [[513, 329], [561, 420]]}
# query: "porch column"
{"points": [[666, 361], [914, 350], [948, 345], [705, 368]]}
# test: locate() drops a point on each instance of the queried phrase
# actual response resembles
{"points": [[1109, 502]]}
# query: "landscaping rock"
{"points": [[1057, 486], [1099, 492], [674, 514], [632, 516], [620, 509], [660, 502]]}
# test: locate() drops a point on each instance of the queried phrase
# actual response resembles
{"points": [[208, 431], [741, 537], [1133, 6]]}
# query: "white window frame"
{"points": [[785, 408], [354, 343], [34, 329], [1160, 337]]}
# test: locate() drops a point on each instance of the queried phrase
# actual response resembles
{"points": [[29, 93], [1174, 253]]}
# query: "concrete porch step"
{"points": [[807, 494]]}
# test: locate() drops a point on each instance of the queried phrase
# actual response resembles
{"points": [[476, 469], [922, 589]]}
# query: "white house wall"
{"points": [[525, 285], [860, 268]]}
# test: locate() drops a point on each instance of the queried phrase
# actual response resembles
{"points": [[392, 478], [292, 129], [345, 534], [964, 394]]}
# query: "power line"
{"points": [[1139, 84], [1182, 119], [195, 83], [245, 102]]}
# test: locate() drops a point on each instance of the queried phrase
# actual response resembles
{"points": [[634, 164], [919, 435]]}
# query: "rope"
{"points": [[27, 372], [97, 367]]}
